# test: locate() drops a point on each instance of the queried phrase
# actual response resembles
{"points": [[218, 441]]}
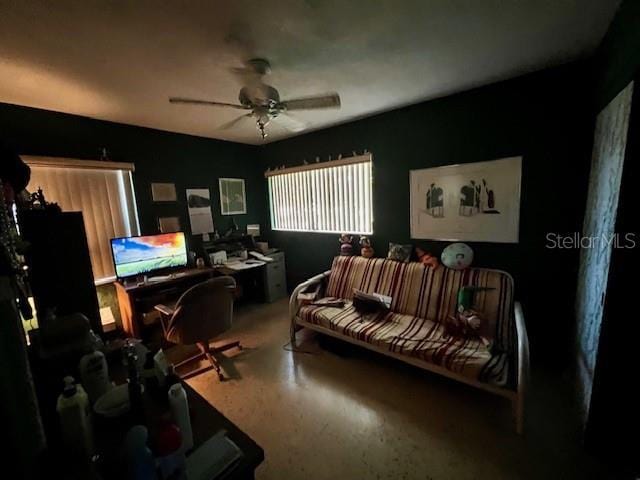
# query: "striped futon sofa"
{"points": [[412, 330]]}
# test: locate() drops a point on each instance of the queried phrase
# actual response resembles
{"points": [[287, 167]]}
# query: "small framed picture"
{"points": [[233, 200], [169, 224], [163, 192]]}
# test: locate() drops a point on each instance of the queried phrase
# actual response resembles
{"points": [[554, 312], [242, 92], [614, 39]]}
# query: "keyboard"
{"points": [[159, 278]]}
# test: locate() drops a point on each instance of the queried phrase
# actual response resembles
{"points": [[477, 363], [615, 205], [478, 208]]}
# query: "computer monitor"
{"points": [[148, 253]]}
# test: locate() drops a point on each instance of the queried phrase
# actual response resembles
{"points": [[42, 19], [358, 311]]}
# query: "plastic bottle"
{"points": [[180, 412], [172, 377], [149, 372], [135, 390], [171, 459], [139, 459], [94, 374], [73, 410]]}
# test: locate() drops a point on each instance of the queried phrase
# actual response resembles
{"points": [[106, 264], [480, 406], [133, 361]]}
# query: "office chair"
{"points": [[200, 314]]}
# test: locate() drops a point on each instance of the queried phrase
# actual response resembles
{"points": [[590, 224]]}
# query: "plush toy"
{"points": [[466, 296], [465, 324], [346, 246], [399, 252], [366, 249], [427, 259]]}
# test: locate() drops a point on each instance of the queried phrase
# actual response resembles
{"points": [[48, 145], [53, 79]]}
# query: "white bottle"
{"points": [[73, 410], [180, 412], [94, 374]]}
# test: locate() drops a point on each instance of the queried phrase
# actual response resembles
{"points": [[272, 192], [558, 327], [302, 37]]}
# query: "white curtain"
{"points": [[104, 196], [332, 199]]}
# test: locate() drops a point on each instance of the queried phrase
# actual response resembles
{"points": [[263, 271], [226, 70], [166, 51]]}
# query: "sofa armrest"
{"points": [[522, 347], [293, 301], [523, 365]]}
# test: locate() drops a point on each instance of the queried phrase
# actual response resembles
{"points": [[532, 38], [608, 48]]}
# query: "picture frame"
{"points": [[199, 208], [169, 224], [163, 192], [233, 199], [475, 202]]}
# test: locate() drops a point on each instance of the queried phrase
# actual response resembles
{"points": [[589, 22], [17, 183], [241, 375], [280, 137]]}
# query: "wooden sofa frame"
{"points": [[517, 397]]}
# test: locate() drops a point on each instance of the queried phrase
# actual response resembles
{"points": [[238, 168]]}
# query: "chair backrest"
{"points": [[423, 292], [203, 311]]}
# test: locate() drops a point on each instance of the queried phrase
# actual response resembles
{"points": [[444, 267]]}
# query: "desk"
{"points": [[135, 299], [249, 281], [267, 279]]}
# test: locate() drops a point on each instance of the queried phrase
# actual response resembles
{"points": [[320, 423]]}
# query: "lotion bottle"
{"points": [[180, 413], [94, 374], [75, 421]]}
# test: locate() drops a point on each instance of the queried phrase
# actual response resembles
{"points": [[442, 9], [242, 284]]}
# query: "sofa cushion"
{"points": [[413, 336], [424, 292]]}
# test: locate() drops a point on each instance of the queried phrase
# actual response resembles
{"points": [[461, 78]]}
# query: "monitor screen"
{"points": [[143, 254]]}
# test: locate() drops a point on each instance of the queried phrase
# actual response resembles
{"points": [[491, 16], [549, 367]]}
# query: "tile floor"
{"points": [[343, 413]]}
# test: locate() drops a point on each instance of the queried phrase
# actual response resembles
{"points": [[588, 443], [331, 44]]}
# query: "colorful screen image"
{"points": [[136, 255]]}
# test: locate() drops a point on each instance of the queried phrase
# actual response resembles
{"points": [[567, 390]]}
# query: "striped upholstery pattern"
{"points": [[413, 336], [422, 299]]}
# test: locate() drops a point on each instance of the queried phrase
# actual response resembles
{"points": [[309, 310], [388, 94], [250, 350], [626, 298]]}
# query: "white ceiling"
{"points": [[121, 60]]}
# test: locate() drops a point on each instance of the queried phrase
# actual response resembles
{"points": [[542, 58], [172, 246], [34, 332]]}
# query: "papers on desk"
{"points": [[214, 457], [261, 257], [239, 265]]}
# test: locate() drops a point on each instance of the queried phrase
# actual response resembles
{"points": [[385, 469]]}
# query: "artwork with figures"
{"points": [[471, 202]]}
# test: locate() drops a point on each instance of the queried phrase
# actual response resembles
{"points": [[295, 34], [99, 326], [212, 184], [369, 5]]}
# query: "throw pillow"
{"points": [[398, 252]]}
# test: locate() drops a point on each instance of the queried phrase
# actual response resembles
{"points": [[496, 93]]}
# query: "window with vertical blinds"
{"points": [[334, 197], [102, 191]]}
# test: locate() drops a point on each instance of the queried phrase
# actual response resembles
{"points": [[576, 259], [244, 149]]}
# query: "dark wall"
{"points": [[617, 60], [189, 162], [544, 117]]}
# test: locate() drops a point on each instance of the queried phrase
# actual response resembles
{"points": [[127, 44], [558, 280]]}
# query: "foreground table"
{"points": [[109, 434]]}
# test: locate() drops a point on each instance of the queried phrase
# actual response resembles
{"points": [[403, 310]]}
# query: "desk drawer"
{"points": [[276, 289], [277, 256], [275, 278], [274, 268]]}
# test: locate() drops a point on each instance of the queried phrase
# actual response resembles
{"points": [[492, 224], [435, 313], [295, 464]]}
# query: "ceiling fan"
{"points": [[263, 101]]}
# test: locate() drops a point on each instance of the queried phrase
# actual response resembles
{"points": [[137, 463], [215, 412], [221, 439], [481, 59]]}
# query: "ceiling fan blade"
{"points": [[289, 122], [192, 101], [330, 100], [234, 122]]}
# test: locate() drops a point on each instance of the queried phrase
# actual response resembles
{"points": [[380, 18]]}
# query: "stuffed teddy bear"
{"points": [[346, 246], [427, 259], [367, 250]]}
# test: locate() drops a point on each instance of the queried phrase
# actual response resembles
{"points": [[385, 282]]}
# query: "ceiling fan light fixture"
{"points": [[263, 100], [261, 126]]}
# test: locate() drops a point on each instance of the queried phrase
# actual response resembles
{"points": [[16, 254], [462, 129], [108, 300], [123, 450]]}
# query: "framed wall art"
{"points": [[233, 200], [199, 206], [476, 202], [163, 192], [168, 224]]}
